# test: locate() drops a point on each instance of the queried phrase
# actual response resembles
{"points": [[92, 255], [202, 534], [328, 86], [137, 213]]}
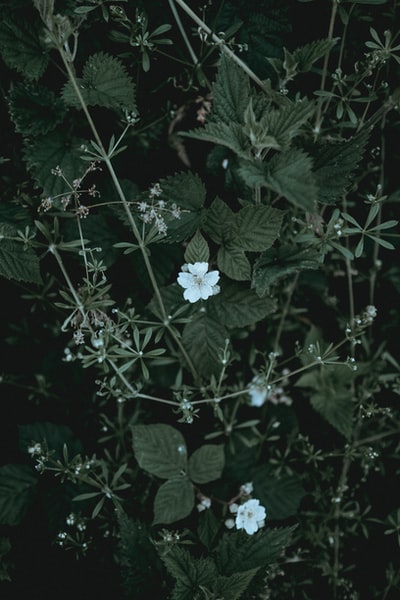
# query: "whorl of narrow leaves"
{"points": [[105, 82]]}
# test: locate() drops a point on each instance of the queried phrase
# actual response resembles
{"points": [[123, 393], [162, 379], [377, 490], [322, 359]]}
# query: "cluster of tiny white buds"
{"points": [[204, 503], [82, 211], [79, 337], [45, 204], [153, 211]]}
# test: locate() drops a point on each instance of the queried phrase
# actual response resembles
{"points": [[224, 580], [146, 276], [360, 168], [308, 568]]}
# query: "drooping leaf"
{"points": [[206, 463], [281, 495], [35, 109], [55, 149], [174, 501], [104, 82], [20, 47], [237, 306], [278, 263], [204, 340], [190, 574], [17, 262], [17, 488], [159, 449]]}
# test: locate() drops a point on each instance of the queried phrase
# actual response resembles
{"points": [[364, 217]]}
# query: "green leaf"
{"points": [[190, 574], [46, 153], [230, 135], [237, 552], [237, 306], [231, 92], [281, 495], [159, 449], [204, 340], [258, 227], [307, 55], [105, 82], [334, 162], [174, 501], [197, 249], [277, 263], [333, 398], [17, 488], [35, 110], [188, 192], [18, 263], [290, 175], [234, 586], [208, 528], [206, 463], [233, 262], [285, 123], [53, 435], [220, 223], [20, 47]]}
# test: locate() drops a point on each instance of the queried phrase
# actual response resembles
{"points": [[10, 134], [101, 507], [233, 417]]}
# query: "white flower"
{"points": [[197, 282], [258, 391], [250, 516]]}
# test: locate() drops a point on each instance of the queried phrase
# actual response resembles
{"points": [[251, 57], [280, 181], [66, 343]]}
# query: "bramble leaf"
{"points": [[21, 49], [206, 463], [204, 340], [159, 449], [174, 501], [17, 262]]}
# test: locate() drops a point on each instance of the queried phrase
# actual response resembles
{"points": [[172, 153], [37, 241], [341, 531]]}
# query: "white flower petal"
{"points": [[185, 280], [212, 277], [198, 268], [192, 294]]}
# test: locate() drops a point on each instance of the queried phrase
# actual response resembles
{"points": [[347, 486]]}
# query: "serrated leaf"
{"points": [[174, 501], [105, 82], [208, 528], [160, 449], [233, 262], [21, 49], [206, 463], [237, 552], [334, 163], [290, 175], [50, 151], [231, 92], [307, 55], [35, 110], [281, 495], [220, 223], [19, 263], [234, 586], [17, 487], [190, 574], [277, 263], [204, 340], [197, 249], [230, 136], [237, 306], [285, 123], [188, 192], [258, 227]]}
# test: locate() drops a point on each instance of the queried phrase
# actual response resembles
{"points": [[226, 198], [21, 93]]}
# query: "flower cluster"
{"points": [[197, 282], [250, 515], [153, 210]]}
